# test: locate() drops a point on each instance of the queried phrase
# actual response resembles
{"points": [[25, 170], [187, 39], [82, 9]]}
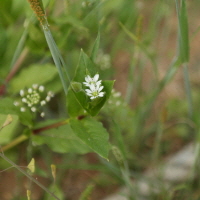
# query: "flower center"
{"points": [[33, 98]]}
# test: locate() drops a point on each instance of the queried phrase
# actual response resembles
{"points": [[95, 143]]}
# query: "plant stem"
{"points": [[30, 177], [15, 142], [188, 89], [36, 131], [17, 64], [157, 144], [23, 137]]}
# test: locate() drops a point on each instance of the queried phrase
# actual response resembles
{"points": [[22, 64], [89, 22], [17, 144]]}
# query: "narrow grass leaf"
{"points": [[183, 32], [57, 58], [95, 48], [140, 45]]}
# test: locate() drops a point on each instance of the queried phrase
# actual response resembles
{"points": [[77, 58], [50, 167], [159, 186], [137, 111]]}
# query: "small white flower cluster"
{"points": [[103, 60], [33, 98], [95, 87], [86, 4], [115, 99]]}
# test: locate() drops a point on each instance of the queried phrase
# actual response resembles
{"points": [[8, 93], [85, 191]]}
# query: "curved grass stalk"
{"points": [[58, 60], [30, 177], [38, 8]]}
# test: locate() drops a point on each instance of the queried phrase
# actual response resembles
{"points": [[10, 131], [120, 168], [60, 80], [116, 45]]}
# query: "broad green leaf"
{"points": [[7, 106], [85, 66], [61, 140], [92, 133], [26, 118], [54, 85], [73, 106], [38, 74], [7, 132], [95, 48], [8, 121]]}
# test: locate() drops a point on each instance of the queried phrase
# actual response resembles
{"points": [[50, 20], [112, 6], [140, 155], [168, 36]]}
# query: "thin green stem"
{"points": [[130, 86], [158, 142], [188, 89], [22, 138], [126, 176], [27, 175], [15, 142]]}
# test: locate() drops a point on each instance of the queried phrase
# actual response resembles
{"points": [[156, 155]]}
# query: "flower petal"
{"points": [[101, 88], [96, 77], [101, 94]]}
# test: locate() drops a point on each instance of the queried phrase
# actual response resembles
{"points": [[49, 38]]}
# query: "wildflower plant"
{"points": [[33, 99], [85, 92]]}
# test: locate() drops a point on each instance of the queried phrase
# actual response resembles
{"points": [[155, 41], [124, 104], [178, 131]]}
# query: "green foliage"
{"points": [[56, 190], [7, 106], [61, 140], [137, 40], [7, 132], [183, 31], [46, 73], [93, 134], [79, 98]]}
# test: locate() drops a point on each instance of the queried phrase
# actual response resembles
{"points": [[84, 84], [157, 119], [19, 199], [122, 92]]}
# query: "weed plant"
{"points": [[95, 92]]}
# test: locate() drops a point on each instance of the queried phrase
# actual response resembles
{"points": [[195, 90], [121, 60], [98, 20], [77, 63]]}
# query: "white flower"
{"points": [[41, 88], [43, 102], [95, 87], [90, 81], [24, 100], [16, 103], [48, 98], [95, 91], [21, 93], [30, 90], [33, 109], [35, 86], [22, 109], [42, 114], [34, 98], [50, 94]]}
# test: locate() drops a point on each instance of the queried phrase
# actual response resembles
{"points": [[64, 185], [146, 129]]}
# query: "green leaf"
{"points": [[61, 140], [56, 190], [26, 118], [7, 132], [54, 85], [80, 99], [34, 74], [183, 32], [73, 106], [92, 133], [7, 106], [94, 108], [95, 48], [84, 67]]}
